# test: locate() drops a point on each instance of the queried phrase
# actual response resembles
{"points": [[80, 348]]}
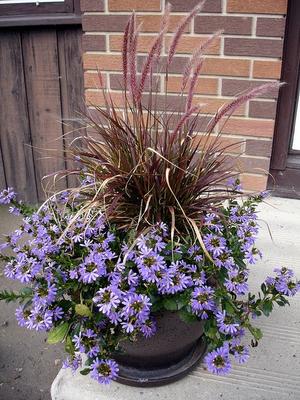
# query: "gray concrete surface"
{"points": [[28, 364], [273, 372]]}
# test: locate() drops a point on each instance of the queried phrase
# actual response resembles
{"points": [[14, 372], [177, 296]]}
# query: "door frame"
{"points": [[285, 163]]}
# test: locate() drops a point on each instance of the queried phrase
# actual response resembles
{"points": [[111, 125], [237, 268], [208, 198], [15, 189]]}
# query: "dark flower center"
{"points": [[219, 362], [104, 369]]}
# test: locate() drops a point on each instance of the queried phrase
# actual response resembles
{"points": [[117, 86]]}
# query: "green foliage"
{"points": [[10, 295], [58, 333], [83, 310]]}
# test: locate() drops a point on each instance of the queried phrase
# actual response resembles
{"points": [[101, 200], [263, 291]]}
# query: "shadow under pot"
{"points": [[175, 349]]}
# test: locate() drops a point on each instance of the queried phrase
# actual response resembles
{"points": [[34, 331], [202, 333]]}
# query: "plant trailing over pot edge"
{"points": [[151, 226]]}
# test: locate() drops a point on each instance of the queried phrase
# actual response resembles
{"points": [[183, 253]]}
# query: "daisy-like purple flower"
{"points": [[216, 245], [218, 361], [7, 196], [106, 300], [22, 316], [45, 295], [202, 299], [226, 323], [240, 352], [237, 281], [148, 328], [73, 363], [137, 305], [104, 371], [40, 319]]}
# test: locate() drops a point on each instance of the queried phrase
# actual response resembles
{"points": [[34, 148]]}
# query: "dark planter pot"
{"points": [[175, 349]]}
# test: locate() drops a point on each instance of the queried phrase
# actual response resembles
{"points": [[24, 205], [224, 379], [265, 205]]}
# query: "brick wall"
{"points": [[248, 54]]}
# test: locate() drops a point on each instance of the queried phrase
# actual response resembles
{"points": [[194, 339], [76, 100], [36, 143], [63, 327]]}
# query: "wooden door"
{"points": [[285, 161], [41, 86]]}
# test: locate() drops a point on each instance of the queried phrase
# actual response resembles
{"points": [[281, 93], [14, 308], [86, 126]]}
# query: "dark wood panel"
{"points": [[2, 173], [39, 20], [44, 105], [288, 93], [71, 85], [14, 124]]}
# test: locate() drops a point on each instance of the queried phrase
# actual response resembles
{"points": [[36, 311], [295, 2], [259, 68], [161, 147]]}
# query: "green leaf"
{"points": [[85, 371], [256, 332], [267, 307], [69, 346], [170, 304], [83, 310], [187, 317], [58, 333]]}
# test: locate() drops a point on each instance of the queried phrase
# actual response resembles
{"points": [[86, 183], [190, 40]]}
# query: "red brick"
{"points": [[151, 23], [267, 69], [188, 44], [144, 43], [226, 67], [103, 62], [234, 146], [254, 183], [91, 5], [93, 43], [203, 85], [257, 6], [270, 27], [92, 80], [137, 5], [211, 66], [96, 98], [213, 6], [231, 25], [262, 109], [211, 105], [249, 127], [116, 82], [233, 87], [261, 148], [104, 23], [252, 165], [253, 47]]}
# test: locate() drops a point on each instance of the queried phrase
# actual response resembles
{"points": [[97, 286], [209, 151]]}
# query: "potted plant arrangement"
{"points": [[142, 268]]}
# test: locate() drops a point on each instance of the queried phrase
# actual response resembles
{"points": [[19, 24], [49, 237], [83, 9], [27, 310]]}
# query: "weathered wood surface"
{"points": [[71, 84], [14, 122], [41, 90]]}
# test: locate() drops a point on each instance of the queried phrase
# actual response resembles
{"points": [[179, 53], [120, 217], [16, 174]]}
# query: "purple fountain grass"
{"points": [[154, 52], [196, 56], [147, 154], [193, 82], [229, 108], [124, 53], [179, 31]]}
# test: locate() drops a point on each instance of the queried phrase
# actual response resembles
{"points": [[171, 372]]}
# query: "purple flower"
{"points": [[215, 244], [226, 323], [137, 305], [73, 362], [218, 361], [236, 281], [104, 371], [45, 295], [7, 196], [22, 316], [107, 300], [148, 328], [202, 299], [57, 313], [240, 352], [40, 319]]}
